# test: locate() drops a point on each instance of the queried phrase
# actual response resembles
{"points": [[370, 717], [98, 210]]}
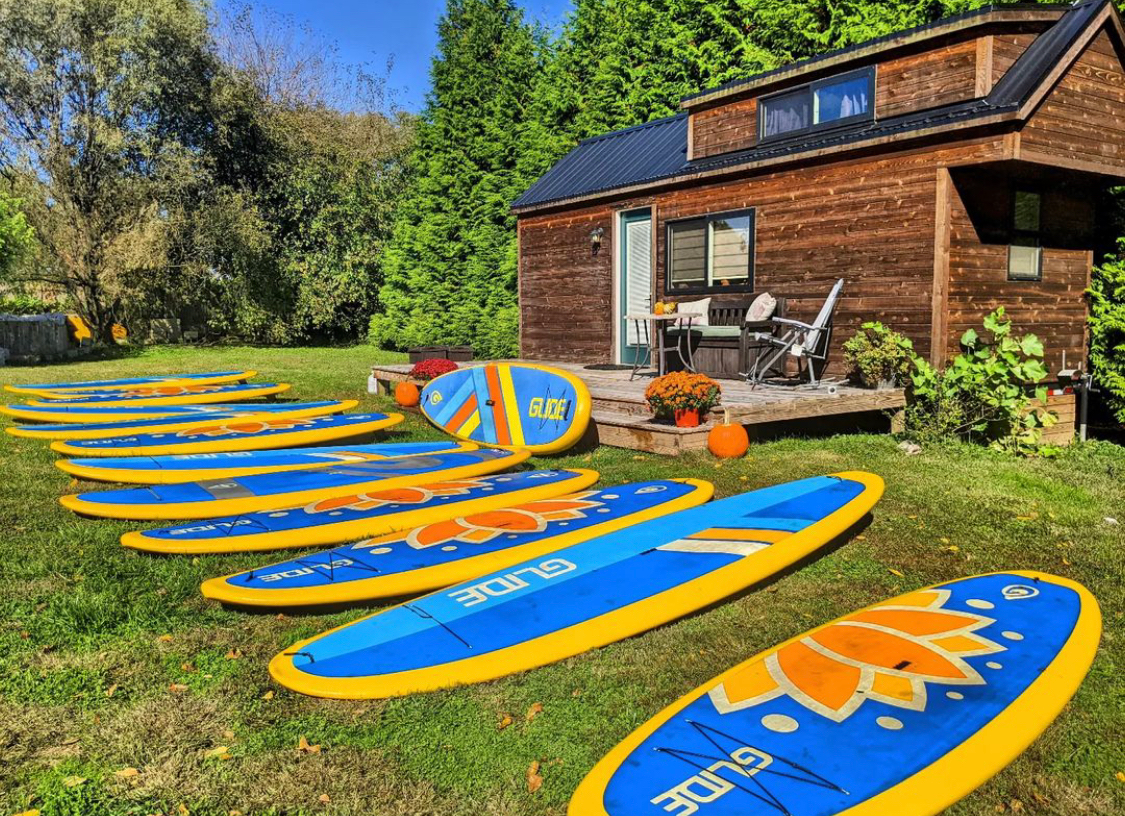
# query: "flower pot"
{"points": [[687, 417]]}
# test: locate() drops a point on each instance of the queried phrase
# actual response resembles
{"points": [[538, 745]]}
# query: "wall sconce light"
{"points": [[596, 236]]}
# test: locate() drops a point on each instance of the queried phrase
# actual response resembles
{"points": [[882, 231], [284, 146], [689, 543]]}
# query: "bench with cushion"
{"points": [[725, 347]]}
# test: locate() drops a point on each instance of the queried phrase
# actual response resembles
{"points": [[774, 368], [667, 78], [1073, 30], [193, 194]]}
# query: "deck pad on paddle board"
{"points": [[207, 378], [191, 467], [263, 432], [579, 597], [510, 405], [902, 708], [349, 518], [445, 552], [78, 415], [271, 491], [170, 395], [123, 427]]}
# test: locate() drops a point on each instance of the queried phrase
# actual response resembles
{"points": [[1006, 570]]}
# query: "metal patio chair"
{"points": [[808, 343]]}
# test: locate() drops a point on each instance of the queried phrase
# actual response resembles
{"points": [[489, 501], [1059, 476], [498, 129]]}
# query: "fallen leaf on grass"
{"points": [[268, 695], [896, 572], [126, 773], [324, 798], [1120, 776], [304, 747], [74, 781], [188, 667], [177, 688], [1028, 517], [533, 712], [165, 638], [218, 752], [534, 780], [505, 721], [181, 810], [109, 692], [234, 654]]}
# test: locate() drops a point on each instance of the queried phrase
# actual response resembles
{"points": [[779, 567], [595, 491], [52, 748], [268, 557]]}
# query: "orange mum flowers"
{"points": [[682, 390]]}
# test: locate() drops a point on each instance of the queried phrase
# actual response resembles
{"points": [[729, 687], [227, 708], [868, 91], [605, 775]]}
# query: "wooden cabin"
{"points": [[941, 172]]}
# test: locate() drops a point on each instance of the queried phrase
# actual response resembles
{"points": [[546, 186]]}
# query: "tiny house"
{"points": [[940, 171]]}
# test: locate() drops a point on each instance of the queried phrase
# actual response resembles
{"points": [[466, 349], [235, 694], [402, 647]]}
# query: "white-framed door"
{"points": [[634, 281]]}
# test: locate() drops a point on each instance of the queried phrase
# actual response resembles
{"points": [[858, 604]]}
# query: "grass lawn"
{"points": [[123, 692]]}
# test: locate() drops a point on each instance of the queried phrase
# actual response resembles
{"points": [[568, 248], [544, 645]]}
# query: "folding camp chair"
{"points": [[807, 342]]}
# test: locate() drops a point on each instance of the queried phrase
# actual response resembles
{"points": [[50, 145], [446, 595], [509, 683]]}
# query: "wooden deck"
{"points": [[622, 417]]}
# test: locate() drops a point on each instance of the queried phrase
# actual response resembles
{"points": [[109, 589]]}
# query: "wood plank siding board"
{"points": [[936, 77]]}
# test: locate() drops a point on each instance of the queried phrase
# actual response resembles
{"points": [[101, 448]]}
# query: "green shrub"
{"points": [[876, 354], [28, 305], [1107, 330], [982, 394]]}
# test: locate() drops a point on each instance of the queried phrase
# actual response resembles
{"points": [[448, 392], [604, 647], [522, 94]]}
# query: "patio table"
{"points": [[644, 320]]}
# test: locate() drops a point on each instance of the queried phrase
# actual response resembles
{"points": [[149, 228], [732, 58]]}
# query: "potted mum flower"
{"points": [[683, 396]]}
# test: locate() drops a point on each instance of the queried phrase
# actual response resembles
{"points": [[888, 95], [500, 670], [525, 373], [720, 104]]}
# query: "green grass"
{"points": [[110, 660]]}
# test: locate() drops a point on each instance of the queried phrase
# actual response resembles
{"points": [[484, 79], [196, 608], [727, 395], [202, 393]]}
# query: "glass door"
{"points": [[635, 285]]}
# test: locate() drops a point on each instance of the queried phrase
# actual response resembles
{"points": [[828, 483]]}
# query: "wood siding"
{"points": [[1006, 49], [927, 80], [726, 129], [1082, 120]]}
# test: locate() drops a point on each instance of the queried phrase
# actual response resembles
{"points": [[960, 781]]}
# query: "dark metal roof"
{"points": [[944, 22], [657, 151]]}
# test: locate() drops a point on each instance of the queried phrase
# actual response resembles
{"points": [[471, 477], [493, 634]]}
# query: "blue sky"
{"points": [[372, 30]]}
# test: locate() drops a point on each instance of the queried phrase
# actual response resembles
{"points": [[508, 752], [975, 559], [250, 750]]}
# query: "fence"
{"points": [[36, 337]]}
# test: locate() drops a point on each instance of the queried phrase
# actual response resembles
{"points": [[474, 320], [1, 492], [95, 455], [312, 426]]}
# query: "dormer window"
{"points": [[826, 103]]}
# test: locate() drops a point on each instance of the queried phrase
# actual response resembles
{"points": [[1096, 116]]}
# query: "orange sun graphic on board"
{"points": [[887, 653], [399, 495], [250, 427], [480, 528], [170, 390]]}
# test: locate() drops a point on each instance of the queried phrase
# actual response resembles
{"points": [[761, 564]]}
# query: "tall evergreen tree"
{"points": [[450, 270]]}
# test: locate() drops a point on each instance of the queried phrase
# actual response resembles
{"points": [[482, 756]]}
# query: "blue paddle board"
{"points": [[75, 414], [170, 395], [235, 434], [349, 518], [271, 491], [446, 552], [117, 428], [902, 708], [206, 378], [578, 597], [191, 467], [510, 405]]}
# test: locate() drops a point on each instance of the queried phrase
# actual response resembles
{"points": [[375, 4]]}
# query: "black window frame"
{"points": [[707, 219], [810, 89], [1034, 235]]}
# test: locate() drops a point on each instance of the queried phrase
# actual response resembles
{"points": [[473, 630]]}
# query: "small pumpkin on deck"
{"points": [[728, 441], [407, 394]]}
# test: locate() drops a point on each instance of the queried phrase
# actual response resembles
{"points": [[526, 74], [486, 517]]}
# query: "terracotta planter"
{"points": [[687, 418]]}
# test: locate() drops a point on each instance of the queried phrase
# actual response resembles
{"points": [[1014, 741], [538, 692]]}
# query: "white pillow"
{"points": [[761, 309], [699, 307]]}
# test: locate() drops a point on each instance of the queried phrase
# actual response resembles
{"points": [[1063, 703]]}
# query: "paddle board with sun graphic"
{"points": [[359, 515], [191, 467], [902, 708], [567, 600], [248, 433], [270, 491], [169, 395], [445, 552], [70, 388]]}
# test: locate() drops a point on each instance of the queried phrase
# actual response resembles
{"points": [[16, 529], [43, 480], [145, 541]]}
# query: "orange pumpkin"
{"points": [[407, 394], [728, 441]]}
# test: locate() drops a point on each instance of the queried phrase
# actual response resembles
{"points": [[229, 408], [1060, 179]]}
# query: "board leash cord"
{"points": [[724, 760]]}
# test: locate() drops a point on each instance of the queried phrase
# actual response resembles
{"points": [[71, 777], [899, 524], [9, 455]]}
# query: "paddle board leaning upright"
{"points": [[273, 491], [206, 378], [358, 515], [191, 467], [510, 405], [445, 552], [241, 434], [168, 395], [579, 597], [899, 709]]}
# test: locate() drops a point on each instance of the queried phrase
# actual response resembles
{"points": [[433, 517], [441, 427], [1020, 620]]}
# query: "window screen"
{"points": [[730, 251], [1025, 253], [785, 114], [687, 268], [714, 253]]}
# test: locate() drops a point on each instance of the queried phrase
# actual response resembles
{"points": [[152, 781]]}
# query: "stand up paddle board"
{"points": [[446, 552], [75, 415], [192, 467], [349, 518], [510, 405], [902, 708], [108, 430], [169, 395], [208, 378], [239, 434], [579, 597], [271, 491]]}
